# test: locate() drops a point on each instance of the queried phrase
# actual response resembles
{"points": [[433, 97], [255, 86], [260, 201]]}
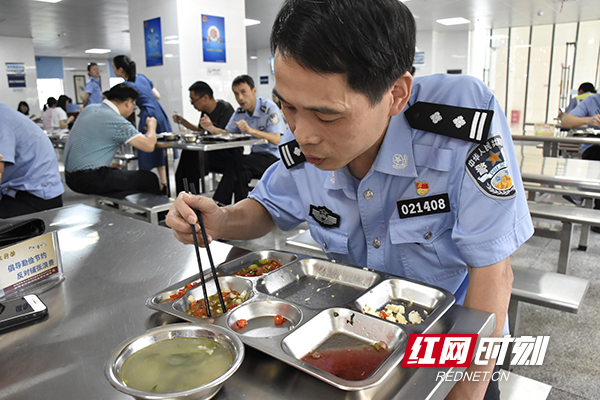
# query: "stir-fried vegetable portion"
{"points": [[232, 299], [259, 267]]}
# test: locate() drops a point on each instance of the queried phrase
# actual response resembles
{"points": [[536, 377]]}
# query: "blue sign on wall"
{"points": [[264, 80], [153, 42], [16, 81], [213, 39]]}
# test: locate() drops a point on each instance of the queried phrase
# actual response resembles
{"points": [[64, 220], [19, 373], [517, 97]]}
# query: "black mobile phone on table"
{"points": [[20, 311]]}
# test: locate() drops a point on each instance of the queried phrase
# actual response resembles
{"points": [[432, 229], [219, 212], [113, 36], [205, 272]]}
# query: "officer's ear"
{"points": [[400, 93]]}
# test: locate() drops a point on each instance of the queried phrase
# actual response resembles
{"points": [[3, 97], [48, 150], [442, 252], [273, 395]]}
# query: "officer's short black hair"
{"points": [[201, 89], [371, 42], [90, 65], [243, 79], [587, 87], [122, 92]]}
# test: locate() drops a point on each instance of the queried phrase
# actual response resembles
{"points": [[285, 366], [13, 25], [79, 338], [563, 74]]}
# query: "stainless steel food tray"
{"points": [[323, 303]]}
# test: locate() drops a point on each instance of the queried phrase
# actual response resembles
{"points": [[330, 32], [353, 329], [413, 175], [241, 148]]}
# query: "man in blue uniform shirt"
{"points": [[93, 90], [419, 179], [587, 113], [258, 117], [29, 176]]}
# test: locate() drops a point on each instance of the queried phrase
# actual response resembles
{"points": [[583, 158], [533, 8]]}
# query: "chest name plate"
{"points": [[423, 206]]}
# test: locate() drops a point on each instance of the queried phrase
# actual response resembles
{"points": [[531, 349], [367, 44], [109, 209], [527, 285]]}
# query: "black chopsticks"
{"points": [[210, 259]]}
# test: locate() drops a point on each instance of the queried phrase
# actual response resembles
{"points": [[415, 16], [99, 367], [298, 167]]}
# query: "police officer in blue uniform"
{"points": [[258, 117], [418, 179]]}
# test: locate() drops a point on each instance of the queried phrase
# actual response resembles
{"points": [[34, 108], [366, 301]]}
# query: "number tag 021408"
{"points": [[416, 207]]}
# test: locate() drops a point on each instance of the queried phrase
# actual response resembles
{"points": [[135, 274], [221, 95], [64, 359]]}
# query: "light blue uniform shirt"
{"points": [[266, 117], [93, 87], [29, 159], [96, 136], [588, 107], [481, 227]]}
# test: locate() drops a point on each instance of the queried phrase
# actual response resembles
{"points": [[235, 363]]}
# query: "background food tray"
{"points": [[322, 302]]}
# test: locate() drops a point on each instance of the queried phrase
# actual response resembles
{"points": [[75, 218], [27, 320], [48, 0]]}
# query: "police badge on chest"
{"points": [[324, 216]]}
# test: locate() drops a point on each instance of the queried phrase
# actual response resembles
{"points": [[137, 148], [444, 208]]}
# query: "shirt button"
{"points": [[376, 243], [325, 245], [427, 235], [368, 194]]}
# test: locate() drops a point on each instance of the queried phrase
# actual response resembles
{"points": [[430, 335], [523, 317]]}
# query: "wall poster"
{"points": [[213, 39], [153, 42]]}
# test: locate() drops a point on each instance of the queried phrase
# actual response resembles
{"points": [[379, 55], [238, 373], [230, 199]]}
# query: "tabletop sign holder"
{"points": [[30, 267]]}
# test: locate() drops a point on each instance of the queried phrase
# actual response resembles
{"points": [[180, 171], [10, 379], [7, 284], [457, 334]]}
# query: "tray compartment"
{"points": [[260, 317], [317, 284], [245, 261], [231, 282], [428, 301], [344, 339]]}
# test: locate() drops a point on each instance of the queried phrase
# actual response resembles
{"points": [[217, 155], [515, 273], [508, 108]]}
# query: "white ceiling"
{"points": [[68, 28]]}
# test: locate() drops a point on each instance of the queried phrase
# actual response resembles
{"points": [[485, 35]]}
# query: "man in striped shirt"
{"points": [[95, 138]]}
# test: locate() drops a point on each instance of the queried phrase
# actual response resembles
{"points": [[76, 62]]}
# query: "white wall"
{"points": [[166, 77], [19, 50], [450, 51], [218, 75], [78, 66], [425, 44], [263, 68], [183, 61]]}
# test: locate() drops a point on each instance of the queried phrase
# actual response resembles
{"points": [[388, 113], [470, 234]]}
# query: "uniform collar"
{"points": [[111, 105], [257, 106], [341, 179], [396, 155]]}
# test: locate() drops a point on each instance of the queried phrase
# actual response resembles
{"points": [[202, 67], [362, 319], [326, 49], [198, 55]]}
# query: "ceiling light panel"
{"points": [[453, 21]]}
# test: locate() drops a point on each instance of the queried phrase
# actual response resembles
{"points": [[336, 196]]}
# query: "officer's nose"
{"points": [[304, 132]]}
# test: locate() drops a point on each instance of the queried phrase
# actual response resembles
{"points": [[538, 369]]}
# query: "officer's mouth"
{"points": [[314, 160]]}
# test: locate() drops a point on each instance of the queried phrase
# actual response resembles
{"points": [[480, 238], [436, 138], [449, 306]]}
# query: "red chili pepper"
{"points": [[279, 319], [232, 306], [241, 323], [383, 314]]}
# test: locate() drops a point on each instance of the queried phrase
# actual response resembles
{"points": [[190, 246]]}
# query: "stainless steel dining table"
{"points": [[567, 172], [202, 145], [112, 265], [551, 143]]}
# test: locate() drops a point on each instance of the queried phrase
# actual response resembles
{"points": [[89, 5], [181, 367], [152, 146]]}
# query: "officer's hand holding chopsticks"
{"points": [[181, 215]]}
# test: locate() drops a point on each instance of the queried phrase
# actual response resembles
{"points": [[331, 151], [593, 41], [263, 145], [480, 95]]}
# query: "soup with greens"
{"points": [[176, 365]]}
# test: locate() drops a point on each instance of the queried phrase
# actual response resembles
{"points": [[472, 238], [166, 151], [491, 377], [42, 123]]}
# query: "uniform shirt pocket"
{"points": [[425, 246], [423, 230], [330, 240]]}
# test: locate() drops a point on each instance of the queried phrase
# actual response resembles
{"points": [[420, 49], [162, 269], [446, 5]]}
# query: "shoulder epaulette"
{"points": [[458, 122], [291, 154], [240, 110]]}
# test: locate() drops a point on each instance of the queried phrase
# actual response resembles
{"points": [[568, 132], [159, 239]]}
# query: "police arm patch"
{"points": [[487, 167]]}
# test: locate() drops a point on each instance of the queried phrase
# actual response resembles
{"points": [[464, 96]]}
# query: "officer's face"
{"points": [[335, 125], [245, 96], [94, 71]]}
